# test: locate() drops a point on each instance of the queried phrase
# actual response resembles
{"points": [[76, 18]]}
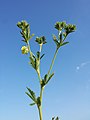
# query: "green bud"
{"points": [[54, 38], [70, 28], [19, 24], [22, 25], [60, 25], [41, 40]]}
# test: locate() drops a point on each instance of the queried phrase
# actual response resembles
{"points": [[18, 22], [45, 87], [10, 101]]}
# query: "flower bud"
{"points": [[60, 25], [41, 40]]}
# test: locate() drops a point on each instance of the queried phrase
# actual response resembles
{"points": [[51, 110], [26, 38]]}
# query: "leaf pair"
{"points": [[60, 41], [32, 95], [46, 79], [35, 60]]}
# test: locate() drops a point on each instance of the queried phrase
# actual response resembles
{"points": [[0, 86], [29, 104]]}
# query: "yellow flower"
{"points": [[24, 49]]}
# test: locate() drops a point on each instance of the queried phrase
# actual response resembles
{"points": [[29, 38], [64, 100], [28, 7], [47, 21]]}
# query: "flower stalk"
{"points": [[52, 63]]}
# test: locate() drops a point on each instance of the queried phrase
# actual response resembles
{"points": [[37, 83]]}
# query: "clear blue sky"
{"points": [[68, 93]]}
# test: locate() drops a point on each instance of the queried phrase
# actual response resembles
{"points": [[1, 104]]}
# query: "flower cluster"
{"points": [[67, 27], [63, 31], [60, 25], [25, 31], [41, 40]]}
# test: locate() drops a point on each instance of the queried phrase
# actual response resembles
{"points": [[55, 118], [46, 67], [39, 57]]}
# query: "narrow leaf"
{"points": [[32, 104], [32, 62], [56, 41], [32, 94], [42, 56], [49, 77], [29, 95], [45, 77], [64, 43], [35, 63], [57, 118], [38, 55]]}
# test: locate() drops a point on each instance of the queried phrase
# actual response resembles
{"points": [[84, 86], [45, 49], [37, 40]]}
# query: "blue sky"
{"points": [[68, 93]]}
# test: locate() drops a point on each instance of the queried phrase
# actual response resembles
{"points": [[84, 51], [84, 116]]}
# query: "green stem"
{"points": [[29, 48], [40, 112], [52, 63], [41, 90], [38, 72], [39, 77], [40, 107]]}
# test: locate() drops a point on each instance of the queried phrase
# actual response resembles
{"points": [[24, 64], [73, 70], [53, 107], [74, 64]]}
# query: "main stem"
{"points": [[41, 91], [40, 112], [40, 107], [42, 88]]}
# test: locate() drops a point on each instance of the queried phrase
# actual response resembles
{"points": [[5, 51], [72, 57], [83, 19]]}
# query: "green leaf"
{"points": [[53, 118], [35, 60], [32, 94], [45, 77], [23, 35], [32, 62], [38, 101], [38, 55], [29, 95], [42, 56], [32, 104], [57, 43], [33, 56], [43, 82], [57, 118], [64, 43], [51, 75], [35, 63]]}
